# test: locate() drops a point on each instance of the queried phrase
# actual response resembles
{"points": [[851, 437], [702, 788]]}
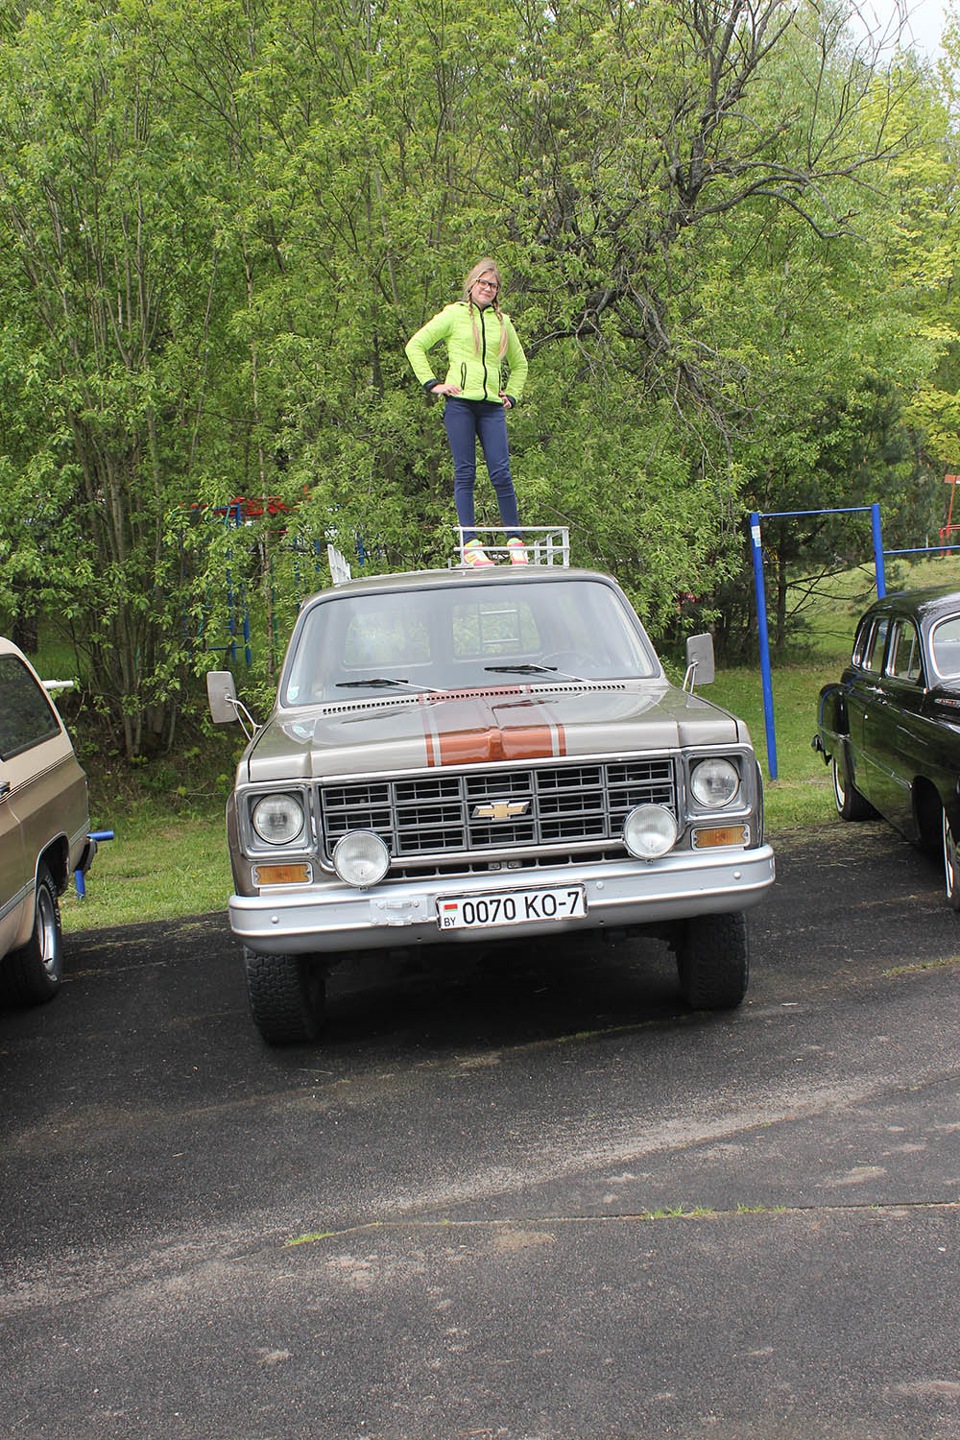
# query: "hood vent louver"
{"points": [[340, 707]]}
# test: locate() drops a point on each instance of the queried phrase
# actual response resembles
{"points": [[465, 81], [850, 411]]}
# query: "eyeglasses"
{"points": [[486, 285]]}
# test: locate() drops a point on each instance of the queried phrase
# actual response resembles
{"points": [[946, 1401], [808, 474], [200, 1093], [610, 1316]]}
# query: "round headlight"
{"points": [[715, 783], [649, 831], [361, 858], [278, 819]]}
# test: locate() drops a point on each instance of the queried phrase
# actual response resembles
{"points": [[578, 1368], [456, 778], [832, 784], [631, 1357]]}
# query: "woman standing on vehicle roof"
{"points": [[484, 356]]}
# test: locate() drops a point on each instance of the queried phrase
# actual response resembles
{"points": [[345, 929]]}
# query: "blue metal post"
{"points": [[878, 549], [762, 598], [78, 875], [247, 650], [764, 644]]}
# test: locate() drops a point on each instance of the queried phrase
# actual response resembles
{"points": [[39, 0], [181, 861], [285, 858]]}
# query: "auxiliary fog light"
{"points": [[361, 858], [649, 831]]}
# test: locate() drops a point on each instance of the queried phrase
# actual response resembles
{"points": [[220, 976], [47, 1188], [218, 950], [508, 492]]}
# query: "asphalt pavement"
{"points": [[517, 1193]]}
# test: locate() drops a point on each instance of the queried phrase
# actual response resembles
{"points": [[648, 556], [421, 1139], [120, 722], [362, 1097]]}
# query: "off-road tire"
{"points": [[287, 995], [713, 961]]}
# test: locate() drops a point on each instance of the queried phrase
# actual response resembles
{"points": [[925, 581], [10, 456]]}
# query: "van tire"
{"points": [[34, 973]]}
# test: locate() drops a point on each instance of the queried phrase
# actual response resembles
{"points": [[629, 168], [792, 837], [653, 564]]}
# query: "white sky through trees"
{"points": [[922, 22]]}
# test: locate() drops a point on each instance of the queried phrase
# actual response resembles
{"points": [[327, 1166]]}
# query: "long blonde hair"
{"points": [[485, 267]]}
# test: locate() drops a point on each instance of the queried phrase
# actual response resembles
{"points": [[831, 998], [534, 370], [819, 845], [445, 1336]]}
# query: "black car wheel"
{"points": [[33, 973], [713, 961], [847, 798], [287, 995], [951, 875]]}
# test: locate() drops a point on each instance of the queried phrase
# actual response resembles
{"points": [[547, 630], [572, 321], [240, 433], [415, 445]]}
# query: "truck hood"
{"points": [[509, 724]]}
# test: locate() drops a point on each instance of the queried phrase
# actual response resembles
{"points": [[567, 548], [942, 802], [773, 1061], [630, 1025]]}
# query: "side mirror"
{"points": [[701, 669], [224, 705], [222, 697]]}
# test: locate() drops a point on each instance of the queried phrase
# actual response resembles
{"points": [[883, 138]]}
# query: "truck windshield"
{"points": [[460, 637]]}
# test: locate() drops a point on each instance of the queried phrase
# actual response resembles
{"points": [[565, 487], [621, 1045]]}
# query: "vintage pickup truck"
{"points": [[463, 756]]}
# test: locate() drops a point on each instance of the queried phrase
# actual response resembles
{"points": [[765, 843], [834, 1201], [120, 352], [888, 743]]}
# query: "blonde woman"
{"points": [[486, 370]]}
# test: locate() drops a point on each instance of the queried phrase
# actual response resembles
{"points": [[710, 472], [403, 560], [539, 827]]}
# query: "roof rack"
{"points": [[546, 544], [340, 571]]}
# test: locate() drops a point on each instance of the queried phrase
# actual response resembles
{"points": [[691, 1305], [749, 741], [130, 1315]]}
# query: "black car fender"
{"points": [[833, 711], [928, 808]]}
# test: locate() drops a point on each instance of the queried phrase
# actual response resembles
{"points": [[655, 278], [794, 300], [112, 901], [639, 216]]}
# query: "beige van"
{"points": [[44, 826]]}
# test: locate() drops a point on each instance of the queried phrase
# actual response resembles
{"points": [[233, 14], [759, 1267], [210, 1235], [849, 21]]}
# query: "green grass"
{"points": [[168, 857], [159, 866], [802, 794]]}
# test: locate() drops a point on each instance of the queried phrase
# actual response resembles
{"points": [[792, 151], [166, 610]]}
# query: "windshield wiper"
{"points": [[385, 682], [531, 668], [526, 669]]}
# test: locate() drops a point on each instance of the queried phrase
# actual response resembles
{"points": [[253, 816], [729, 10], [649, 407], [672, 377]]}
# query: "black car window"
{"points": [[864, 631], [903, 657], [26, 715], [874, 647], [945, 645]]}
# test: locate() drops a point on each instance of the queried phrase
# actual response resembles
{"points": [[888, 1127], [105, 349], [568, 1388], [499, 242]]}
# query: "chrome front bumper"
{"points": [[332, 917]]}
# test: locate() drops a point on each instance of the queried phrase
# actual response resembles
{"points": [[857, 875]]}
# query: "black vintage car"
{"points": [[890, 727]]}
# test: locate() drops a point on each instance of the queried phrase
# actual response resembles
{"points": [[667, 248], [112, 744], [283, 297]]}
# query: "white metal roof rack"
{"points": [[545, 544], [340, 571]]}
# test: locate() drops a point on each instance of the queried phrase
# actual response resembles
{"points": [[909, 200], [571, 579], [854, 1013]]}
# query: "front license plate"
{"points": [[518, 907]]}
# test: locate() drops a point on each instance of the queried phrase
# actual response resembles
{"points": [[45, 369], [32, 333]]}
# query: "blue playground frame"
{"points": [[761, 596]]}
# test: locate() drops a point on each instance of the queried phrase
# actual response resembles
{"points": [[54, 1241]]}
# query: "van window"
{"points": [[26, 715]]}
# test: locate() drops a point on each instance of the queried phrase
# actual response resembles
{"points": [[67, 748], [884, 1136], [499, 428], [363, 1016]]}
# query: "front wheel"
{"points": [[713, 961], [951, 874], [33, 974], [847, 798], [287, 995]]}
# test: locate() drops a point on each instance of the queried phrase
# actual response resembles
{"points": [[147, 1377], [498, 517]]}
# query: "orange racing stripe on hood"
{"points": [[469, 729]]}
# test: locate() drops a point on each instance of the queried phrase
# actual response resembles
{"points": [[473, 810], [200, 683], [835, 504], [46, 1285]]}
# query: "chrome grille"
{"points": [[431, 816]]}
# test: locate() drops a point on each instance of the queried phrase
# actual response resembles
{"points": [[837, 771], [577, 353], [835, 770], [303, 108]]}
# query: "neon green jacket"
{"points": [[481, 375]]}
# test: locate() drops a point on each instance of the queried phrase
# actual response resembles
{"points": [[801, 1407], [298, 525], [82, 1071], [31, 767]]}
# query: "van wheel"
{"points": [[287, 995], [33, 974], [713, 961]]}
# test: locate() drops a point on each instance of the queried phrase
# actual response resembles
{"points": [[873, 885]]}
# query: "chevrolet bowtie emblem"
{"points": [[501, 810]]}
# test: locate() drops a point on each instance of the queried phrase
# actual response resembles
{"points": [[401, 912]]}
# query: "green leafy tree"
{"points": [[718, 223], [109, 281]]}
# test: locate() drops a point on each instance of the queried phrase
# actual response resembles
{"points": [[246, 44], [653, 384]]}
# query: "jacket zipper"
{"points": [[483, 351]]}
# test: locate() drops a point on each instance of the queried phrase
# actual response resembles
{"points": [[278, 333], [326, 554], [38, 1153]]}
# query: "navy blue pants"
{"points": [[466, 422]]}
